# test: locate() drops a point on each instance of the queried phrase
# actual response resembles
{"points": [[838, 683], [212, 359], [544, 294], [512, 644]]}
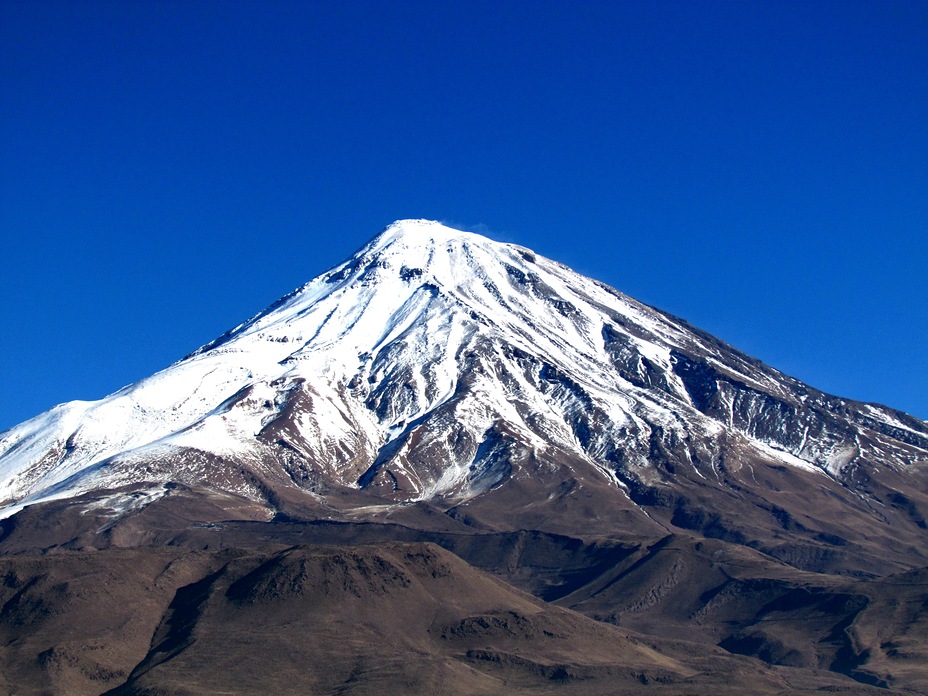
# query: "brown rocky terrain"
{"points": [[384, 618]]}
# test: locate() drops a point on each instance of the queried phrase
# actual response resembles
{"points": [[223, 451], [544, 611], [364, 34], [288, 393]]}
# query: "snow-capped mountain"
{"points": [[438, 365]]}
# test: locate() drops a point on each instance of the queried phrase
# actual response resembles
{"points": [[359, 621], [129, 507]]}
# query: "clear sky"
{"points": [[167, 169]]}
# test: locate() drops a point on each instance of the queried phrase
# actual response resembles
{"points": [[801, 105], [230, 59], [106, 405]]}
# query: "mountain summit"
{"points": [[703, 522], [439, 367]]}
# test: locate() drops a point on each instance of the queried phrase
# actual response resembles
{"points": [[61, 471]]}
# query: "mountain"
{"points": [[439, 366], [592, 450]]}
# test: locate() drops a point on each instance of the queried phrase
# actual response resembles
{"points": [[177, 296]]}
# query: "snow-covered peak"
{"points": [[416, 231], [415, 238], [427, 363], [427, 249], [422, 233]]}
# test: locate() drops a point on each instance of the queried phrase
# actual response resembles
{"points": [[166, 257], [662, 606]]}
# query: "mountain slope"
{"points": [[437, 366]]}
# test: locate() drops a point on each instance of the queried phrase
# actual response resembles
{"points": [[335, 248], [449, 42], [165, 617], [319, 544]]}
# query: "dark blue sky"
{"points": [[170, 168]]}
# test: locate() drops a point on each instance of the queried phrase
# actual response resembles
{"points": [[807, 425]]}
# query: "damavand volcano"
{"points": [[594, 451]]}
